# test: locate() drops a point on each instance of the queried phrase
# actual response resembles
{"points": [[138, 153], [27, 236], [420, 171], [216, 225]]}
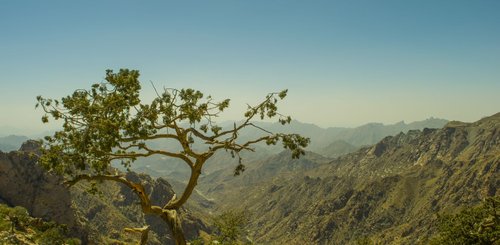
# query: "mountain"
{"points": [[390, 193], [331, 142], [221, 184], [371, 133], [11, 142], [337, 148], [94, 219]]}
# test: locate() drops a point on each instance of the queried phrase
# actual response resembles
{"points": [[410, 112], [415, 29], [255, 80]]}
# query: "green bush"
{"points": [[476, 225], [230, 227], [49, 233]]}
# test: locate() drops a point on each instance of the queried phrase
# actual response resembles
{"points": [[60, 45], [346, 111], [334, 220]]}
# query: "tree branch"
{"points": [[150, 152], [136, 187], [152, 137], [144, 233], [188, 190], [238, 147]]}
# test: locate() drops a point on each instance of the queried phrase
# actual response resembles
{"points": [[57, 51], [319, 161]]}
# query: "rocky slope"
{"points": [[17, 227], [363, 135], [95, 219], [390, 193], [23, 183], [330, 142]]}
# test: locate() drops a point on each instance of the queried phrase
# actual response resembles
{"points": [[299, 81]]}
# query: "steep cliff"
{"points": [[95, 219], [24, 183]]}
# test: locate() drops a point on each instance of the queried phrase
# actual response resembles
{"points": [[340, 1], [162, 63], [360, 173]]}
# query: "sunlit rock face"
{"points": [[24, 183], [390, 192]]}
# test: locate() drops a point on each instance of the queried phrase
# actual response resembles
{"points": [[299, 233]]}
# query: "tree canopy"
{"points": [[109, 122]]}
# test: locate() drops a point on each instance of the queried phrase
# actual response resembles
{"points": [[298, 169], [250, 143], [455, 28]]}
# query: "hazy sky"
{"points": [[345, 63]]}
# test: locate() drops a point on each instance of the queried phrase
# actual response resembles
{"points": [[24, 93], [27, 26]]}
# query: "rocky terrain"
{"points": [[330, 142], [389, 193], [94, 219], [18, 227], [23, 183]]}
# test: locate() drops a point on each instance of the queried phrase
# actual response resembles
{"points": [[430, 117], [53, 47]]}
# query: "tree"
{"points": [[230, 227], [109, 123], [475, 225]]}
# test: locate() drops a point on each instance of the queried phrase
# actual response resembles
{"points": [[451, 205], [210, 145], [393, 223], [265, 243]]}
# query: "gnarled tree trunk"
{"points": [[174, 222]]}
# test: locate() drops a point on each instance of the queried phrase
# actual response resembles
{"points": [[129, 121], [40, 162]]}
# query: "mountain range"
{"points": [[390, 193], [330, 142], [387, 184]]}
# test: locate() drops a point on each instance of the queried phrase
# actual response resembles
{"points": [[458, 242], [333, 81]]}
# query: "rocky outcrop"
{"points": [[390, 193], [24, 183], [94, 218]]}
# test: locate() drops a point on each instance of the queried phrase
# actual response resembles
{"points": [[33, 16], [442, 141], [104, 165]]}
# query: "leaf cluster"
{"points": [[230, 227], [476, 225], [109, 122]]}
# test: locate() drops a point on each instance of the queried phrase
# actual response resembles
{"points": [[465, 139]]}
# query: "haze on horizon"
{"points": [[345, 63]]}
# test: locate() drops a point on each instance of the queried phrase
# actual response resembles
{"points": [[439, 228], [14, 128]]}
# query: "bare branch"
{"points": [[156, 91], [152, 137], [265, 130], [136, 187], [246, 123], [144, 233], [239, 147], [200, 134], [150, 152]]}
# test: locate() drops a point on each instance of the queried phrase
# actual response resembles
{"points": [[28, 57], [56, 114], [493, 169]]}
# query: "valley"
{"points": [[390, 192]]}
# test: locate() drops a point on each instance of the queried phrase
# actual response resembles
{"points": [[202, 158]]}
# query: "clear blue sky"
{"points": [[345, 62]]}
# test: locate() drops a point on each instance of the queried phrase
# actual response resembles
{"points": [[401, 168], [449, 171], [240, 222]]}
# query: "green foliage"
{"points": [[109, 122], [476, 225], [364, 241], [52, 235], [197, 241], [16, 225], [230, 227], [19, 213]]}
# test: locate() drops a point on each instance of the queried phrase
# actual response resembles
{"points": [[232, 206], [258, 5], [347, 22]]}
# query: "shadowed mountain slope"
{"points": [[390, 193], [95, 219]]}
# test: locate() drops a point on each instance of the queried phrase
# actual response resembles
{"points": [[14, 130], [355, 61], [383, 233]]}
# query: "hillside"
{"points": [[330, 142], [18, 227], [390, 193], [337, 148], [94, 219], [367, 134]]}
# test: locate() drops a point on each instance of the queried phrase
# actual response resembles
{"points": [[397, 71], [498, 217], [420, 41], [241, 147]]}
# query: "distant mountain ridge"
{"points": [[389, 193], [331, 142], [337, 148], [11, 142], [366, 134]]}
